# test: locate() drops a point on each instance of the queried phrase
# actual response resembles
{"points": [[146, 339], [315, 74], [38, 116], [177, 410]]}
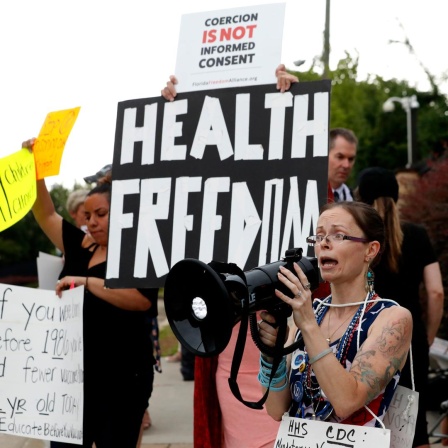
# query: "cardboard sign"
{"points": [[230, 48], [41, 363], [17, 187], [401, 417], [298, 432], [48, 269], [234, 175], [51, 141]]}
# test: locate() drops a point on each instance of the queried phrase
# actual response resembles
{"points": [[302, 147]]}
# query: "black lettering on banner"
{"points": [[341, 437], [235, 175]]}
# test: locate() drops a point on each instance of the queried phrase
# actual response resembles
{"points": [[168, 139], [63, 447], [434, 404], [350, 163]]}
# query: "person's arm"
{"points": [[43, 209], [383, 353], [169, 92], [432, 279], [46, 216], [284, 79], [127, 299], [278, 402]]}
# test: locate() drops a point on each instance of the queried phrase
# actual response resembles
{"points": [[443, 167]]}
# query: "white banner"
{"points": [[298, 432], [401, 417], [41, 363]]}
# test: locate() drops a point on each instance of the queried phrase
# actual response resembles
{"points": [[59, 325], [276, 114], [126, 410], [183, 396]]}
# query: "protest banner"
{"points": [[234, 175], [51, 141], [17, 187], [298, 432], [229, 48], [401, 417], [41, 363]]}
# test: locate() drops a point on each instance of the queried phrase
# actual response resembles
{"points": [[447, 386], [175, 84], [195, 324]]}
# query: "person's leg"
{"points": [[146, 422], [444, 430], [120, 427], [177, 356], [85, 444], [62, 445], [187, 365]]}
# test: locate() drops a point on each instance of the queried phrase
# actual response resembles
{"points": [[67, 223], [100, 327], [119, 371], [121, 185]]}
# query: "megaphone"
{"points": [[204, 301]]}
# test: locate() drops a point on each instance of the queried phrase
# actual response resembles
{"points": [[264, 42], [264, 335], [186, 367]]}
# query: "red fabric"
{"points": [[207, 414], [330, 195], [322, 291]]}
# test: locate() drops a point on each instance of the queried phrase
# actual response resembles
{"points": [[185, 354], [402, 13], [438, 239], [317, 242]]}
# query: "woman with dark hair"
{"points": [[353, 344], [408, 262], [118, 360]]}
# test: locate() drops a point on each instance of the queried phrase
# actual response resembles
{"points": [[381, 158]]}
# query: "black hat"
{"points": [[377, 182], [101, 173]]}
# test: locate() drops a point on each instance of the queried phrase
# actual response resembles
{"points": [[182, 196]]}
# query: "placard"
{"points": [[51, 141], [298, 432], [401, 417], [41, 363], [48, 269], [233, 175], [230, 48], [17, 187]]}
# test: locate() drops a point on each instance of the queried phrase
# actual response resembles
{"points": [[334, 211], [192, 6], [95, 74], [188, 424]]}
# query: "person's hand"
{"points": [[284, 79], [29, 143], [268, 331], [69, 282], [169, 92], [301, 302]]}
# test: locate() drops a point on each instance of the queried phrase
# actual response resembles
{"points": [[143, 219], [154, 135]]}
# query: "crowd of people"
{"points": [[353, 339]]}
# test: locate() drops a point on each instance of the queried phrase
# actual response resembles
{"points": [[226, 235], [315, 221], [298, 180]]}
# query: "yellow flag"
{"points": [[17, 187], [51, 141]]}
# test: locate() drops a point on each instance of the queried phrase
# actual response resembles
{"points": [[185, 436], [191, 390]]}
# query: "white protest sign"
{"points": [[297, 432], [401, 417], [230, 48], [48, 269], [41, 363]]}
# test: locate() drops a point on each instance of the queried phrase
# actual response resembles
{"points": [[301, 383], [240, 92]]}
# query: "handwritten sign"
{"points": [[41, 363], [17, 187], [51, 141], [401, 417], [230, 48], [297, 432]]}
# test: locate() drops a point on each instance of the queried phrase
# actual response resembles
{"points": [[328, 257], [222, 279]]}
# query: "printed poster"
{"points": [[230, 48]]}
